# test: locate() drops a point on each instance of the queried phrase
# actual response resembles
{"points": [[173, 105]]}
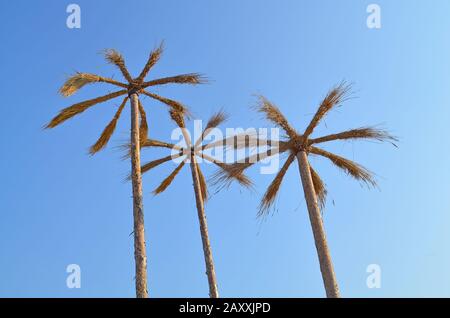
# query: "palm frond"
{"points": [[143, 128], [147, 143], [334, 97], [190, 78], [202, 180], [169, 102], [152, 164], [351, 168], [114, 57], [177, 117], [227, 173], [319, 188], [78, 108], [157, 143], [108, 131], [78, 80], [167, 181], [358, 133], [153, 58], [274, 115], [271, 192], [217, 119]]}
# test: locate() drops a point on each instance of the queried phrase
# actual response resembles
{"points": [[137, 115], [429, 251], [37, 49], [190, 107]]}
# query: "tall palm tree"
{"points": [[131, 90], [189, 154], [299, 146]]}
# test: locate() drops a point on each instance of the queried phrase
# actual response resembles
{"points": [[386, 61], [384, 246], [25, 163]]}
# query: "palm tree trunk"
{"points": [[138, 209], [210, 272], [326, 266]]}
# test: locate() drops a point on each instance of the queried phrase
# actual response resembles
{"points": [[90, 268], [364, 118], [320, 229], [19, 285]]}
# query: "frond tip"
{"points": [[108, 131], [274, 115], [77, 81], [351, 168], [177, 117], [335, 96], [319, 188], [114, 57], [167, 181], [358, 133], [227, 173], [78, 108], [153, 58], [272, 191], [191, 78], [169, 102]]}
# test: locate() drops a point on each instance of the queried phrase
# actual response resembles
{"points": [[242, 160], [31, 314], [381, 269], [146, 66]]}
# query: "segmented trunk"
{"points": [[138, 209], [326, 266], [210, 272]]}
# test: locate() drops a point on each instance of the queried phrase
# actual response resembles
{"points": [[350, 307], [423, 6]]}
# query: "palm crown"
{"points": [[133, 85], [295, 142], [192, 148]]}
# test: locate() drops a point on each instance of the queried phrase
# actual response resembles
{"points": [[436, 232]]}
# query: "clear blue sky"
{"points": [[59, 206]]}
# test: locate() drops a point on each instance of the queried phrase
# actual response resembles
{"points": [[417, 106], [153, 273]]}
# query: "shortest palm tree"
{"points": [[299, 146], [189, 154]]}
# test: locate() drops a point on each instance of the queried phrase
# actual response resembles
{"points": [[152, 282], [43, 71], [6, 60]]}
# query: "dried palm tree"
{"points": [[186, 154], [299, 146], [131, 90]]}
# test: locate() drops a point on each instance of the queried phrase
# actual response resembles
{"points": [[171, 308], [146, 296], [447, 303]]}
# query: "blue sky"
{"points": [[59, 206]]}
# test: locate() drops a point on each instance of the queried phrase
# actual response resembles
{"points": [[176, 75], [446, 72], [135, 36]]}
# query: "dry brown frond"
{"points": [[335, 96], [143, 128], [319, 188], [78, 108], [271, 192], [202, 180], [157, 143], [153, 58], [169, 102], [114, 57], [191, 78], [227, 173], [108, 131], [147, 143], [167, 181], [274, 114], [217, 119], [152, 164], [351, 168], [178, 118], [358, 133], [78, 80]]}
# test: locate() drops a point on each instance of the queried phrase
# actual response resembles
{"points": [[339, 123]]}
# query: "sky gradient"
{"points": [[60, 206]]}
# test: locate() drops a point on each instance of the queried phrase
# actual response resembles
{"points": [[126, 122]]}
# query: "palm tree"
{"points": [[299, 146], [189, 153], [132, 88]]}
